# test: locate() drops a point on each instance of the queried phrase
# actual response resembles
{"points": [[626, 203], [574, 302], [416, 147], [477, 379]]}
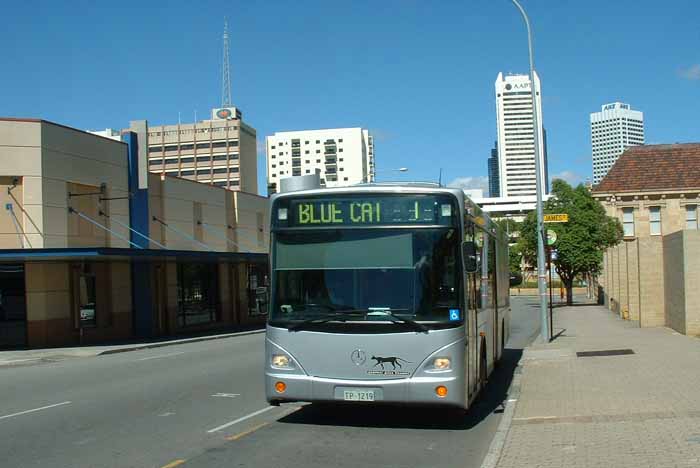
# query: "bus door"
{"points": [[492, 281], [473, 296]]}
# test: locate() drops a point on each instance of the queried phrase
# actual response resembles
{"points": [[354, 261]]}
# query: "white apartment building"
{"points": [[614, 129], [516, 137], [341, 156]]}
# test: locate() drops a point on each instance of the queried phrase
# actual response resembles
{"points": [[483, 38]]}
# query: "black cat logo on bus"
{"points": [[393, 360]]}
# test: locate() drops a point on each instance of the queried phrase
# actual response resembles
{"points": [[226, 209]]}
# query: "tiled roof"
{"points": [[654, 167]]}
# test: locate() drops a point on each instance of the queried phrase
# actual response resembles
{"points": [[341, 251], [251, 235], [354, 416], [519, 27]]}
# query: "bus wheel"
{"points": [[482, 362]]}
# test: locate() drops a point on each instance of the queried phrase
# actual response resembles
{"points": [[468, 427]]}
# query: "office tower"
{"points": [[614, 129], [516, 137]]}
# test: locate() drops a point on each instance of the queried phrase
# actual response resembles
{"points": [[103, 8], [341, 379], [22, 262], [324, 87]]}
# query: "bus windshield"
{"points": [[366, 273]]}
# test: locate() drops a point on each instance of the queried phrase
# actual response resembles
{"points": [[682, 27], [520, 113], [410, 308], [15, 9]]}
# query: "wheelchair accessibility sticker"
{"points": [[454, 314]]}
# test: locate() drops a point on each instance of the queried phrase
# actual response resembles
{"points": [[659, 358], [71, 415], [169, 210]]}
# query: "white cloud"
{"points": [[478, 182], [691, 73], [568, 176]]}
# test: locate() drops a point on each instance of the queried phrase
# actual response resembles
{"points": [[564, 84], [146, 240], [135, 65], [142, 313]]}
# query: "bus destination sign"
{"points": [[371, 210]]}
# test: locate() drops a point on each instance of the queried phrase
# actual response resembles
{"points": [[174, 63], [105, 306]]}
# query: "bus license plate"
{"points": [[358, 395]]}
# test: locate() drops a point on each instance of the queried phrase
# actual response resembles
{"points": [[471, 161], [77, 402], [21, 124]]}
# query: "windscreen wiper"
{"points": [[336, 316], [396, 319]]}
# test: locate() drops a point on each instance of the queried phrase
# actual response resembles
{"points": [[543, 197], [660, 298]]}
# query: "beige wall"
{"points": [[674, 272], [252, 222], [48, 158], [682, 271], [692, 281], [183, 201], [647, 275], [74, 157], [12, 236], [20, 156]]}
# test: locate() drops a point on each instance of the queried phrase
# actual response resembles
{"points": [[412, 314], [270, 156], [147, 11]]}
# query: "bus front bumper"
{"points": [[412, 390]]}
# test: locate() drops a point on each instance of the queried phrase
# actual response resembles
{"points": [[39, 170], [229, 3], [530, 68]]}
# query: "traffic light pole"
{"points": [[551, 311]]}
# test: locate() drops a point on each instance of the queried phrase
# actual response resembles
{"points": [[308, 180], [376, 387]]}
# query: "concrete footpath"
{"points": [[32, 356], [639, 407]]}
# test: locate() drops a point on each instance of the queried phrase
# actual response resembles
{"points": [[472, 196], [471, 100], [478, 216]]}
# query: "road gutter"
{"points": [[499, 439], [178, 342]]}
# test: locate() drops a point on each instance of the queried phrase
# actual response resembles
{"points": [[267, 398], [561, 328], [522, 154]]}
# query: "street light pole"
{"points": [[541, 276]]}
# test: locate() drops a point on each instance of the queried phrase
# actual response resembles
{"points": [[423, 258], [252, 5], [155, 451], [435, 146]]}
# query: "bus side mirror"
{"points": [[469, 254]]}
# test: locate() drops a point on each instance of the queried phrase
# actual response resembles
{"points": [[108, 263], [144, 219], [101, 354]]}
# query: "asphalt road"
{"points": [[203, 405]]}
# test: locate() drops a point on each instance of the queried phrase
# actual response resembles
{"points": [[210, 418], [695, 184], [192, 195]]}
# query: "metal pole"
{"points": [[541, 276], [551, 312]]}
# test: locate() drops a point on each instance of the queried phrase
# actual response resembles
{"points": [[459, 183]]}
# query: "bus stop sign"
{"points": [[551, 237]]}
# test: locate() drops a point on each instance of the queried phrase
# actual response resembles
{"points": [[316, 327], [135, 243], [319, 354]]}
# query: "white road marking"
{"points": [[226, 395], [165, 414], [34, 410], [161, 356], [18, 360], [236, 421]]}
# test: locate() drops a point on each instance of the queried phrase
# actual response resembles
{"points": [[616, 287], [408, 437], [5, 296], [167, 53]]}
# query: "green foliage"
{"points": [[580, 242], [508, 225], [514, 257]]}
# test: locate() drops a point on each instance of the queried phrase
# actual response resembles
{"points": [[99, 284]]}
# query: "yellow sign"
{"points": [[556, 218]]}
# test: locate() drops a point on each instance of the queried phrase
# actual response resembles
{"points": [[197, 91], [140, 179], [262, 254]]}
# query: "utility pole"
{"points": [[541, 275]]}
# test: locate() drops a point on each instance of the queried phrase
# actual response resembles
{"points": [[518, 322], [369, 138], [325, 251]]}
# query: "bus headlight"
{"points": [[442, 363], [281, 361]]}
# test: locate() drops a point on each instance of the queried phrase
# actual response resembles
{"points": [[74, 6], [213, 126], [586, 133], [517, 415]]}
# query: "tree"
{"points": [[580, 242]]}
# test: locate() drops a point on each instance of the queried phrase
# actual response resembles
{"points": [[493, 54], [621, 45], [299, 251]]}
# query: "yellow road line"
{"points": [[174, 463], [259, 426], [246, 432]]}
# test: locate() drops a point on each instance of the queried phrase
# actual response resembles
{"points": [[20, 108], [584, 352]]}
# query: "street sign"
{"points": [[556, 218], [551, 237]]}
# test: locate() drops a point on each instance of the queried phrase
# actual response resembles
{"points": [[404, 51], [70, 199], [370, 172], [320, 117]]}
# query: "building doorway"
{"points": [[13, 307]]}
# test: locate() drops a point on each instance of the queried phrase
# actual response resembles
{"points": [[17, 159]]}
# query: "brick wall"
{"points": [[692, 281], [674, 277]]}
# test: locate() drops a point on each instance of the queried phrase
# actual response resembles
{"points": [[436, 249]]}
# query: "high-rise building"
{"points": [[220, 151], [494, 181], [614, 129], [341, 156], [516, 137]]}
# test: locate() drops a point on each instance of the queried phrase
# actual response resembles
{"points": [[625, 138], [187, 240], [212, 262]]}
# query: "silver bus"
{"points": [[384, 293]]}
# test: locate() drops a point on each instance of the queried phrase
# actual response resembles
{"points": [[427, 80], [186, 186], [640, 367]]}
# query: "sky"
{"points": [[420, 75]]}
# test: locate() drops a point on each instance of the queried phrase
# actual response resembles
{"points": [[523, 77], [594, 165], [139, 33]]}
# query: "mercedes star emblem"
{"points": [[358, 357]]}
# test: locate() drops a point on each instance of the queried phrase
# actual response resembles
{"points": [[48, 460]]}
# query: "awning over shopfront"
{"points": [[124, 254]]}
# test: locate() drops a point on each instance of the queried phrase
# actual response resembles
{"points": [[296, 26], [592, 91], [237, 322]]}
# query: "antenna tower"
{"points": [[226, 80]]}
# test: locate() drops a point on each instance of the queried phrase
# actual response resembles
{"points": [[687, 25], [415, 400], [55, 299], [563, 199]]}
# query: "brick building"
{"points": [[652, 276]]}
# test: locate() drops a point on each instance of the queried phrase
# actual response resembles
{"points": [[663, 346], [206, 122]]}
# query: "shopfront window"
{"points": [[257, 289], [87, 299], [197, 293]]}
